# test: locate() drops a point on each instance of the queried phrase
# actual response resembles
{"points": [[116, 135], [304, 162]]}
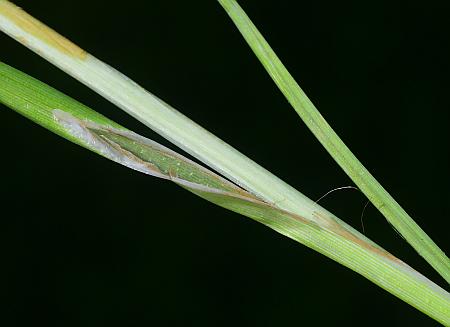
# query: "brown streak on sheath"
{"points": [[31, 25], [336, 228]]}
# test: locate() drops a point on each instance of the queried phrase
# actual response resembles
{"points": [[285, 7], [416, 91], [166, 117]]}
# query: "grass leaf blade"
{"points": [[381, 199]]}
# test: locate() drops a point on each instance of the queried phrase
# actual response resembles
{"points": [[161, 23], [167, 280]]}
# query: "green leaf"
{"points": [[380, 198]]}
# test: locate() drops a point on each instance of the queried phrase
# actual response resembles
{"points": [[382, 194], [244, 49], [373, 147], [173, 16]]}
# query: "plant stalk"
{"points": [[40, 103]]}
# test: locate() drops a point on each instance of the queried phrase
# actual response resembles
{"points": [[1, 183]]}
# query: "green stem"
{"points": [[37, 101], [381, 199]]}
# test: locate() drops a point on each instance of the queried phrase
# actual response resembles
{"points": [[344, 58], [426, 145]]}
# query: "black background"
{"points": [[90, 243]]}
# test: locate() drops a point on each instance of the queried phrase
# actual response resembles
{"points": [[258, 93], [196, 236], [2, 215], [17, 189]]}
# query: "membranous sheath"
{"points": [[142, 154]]}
